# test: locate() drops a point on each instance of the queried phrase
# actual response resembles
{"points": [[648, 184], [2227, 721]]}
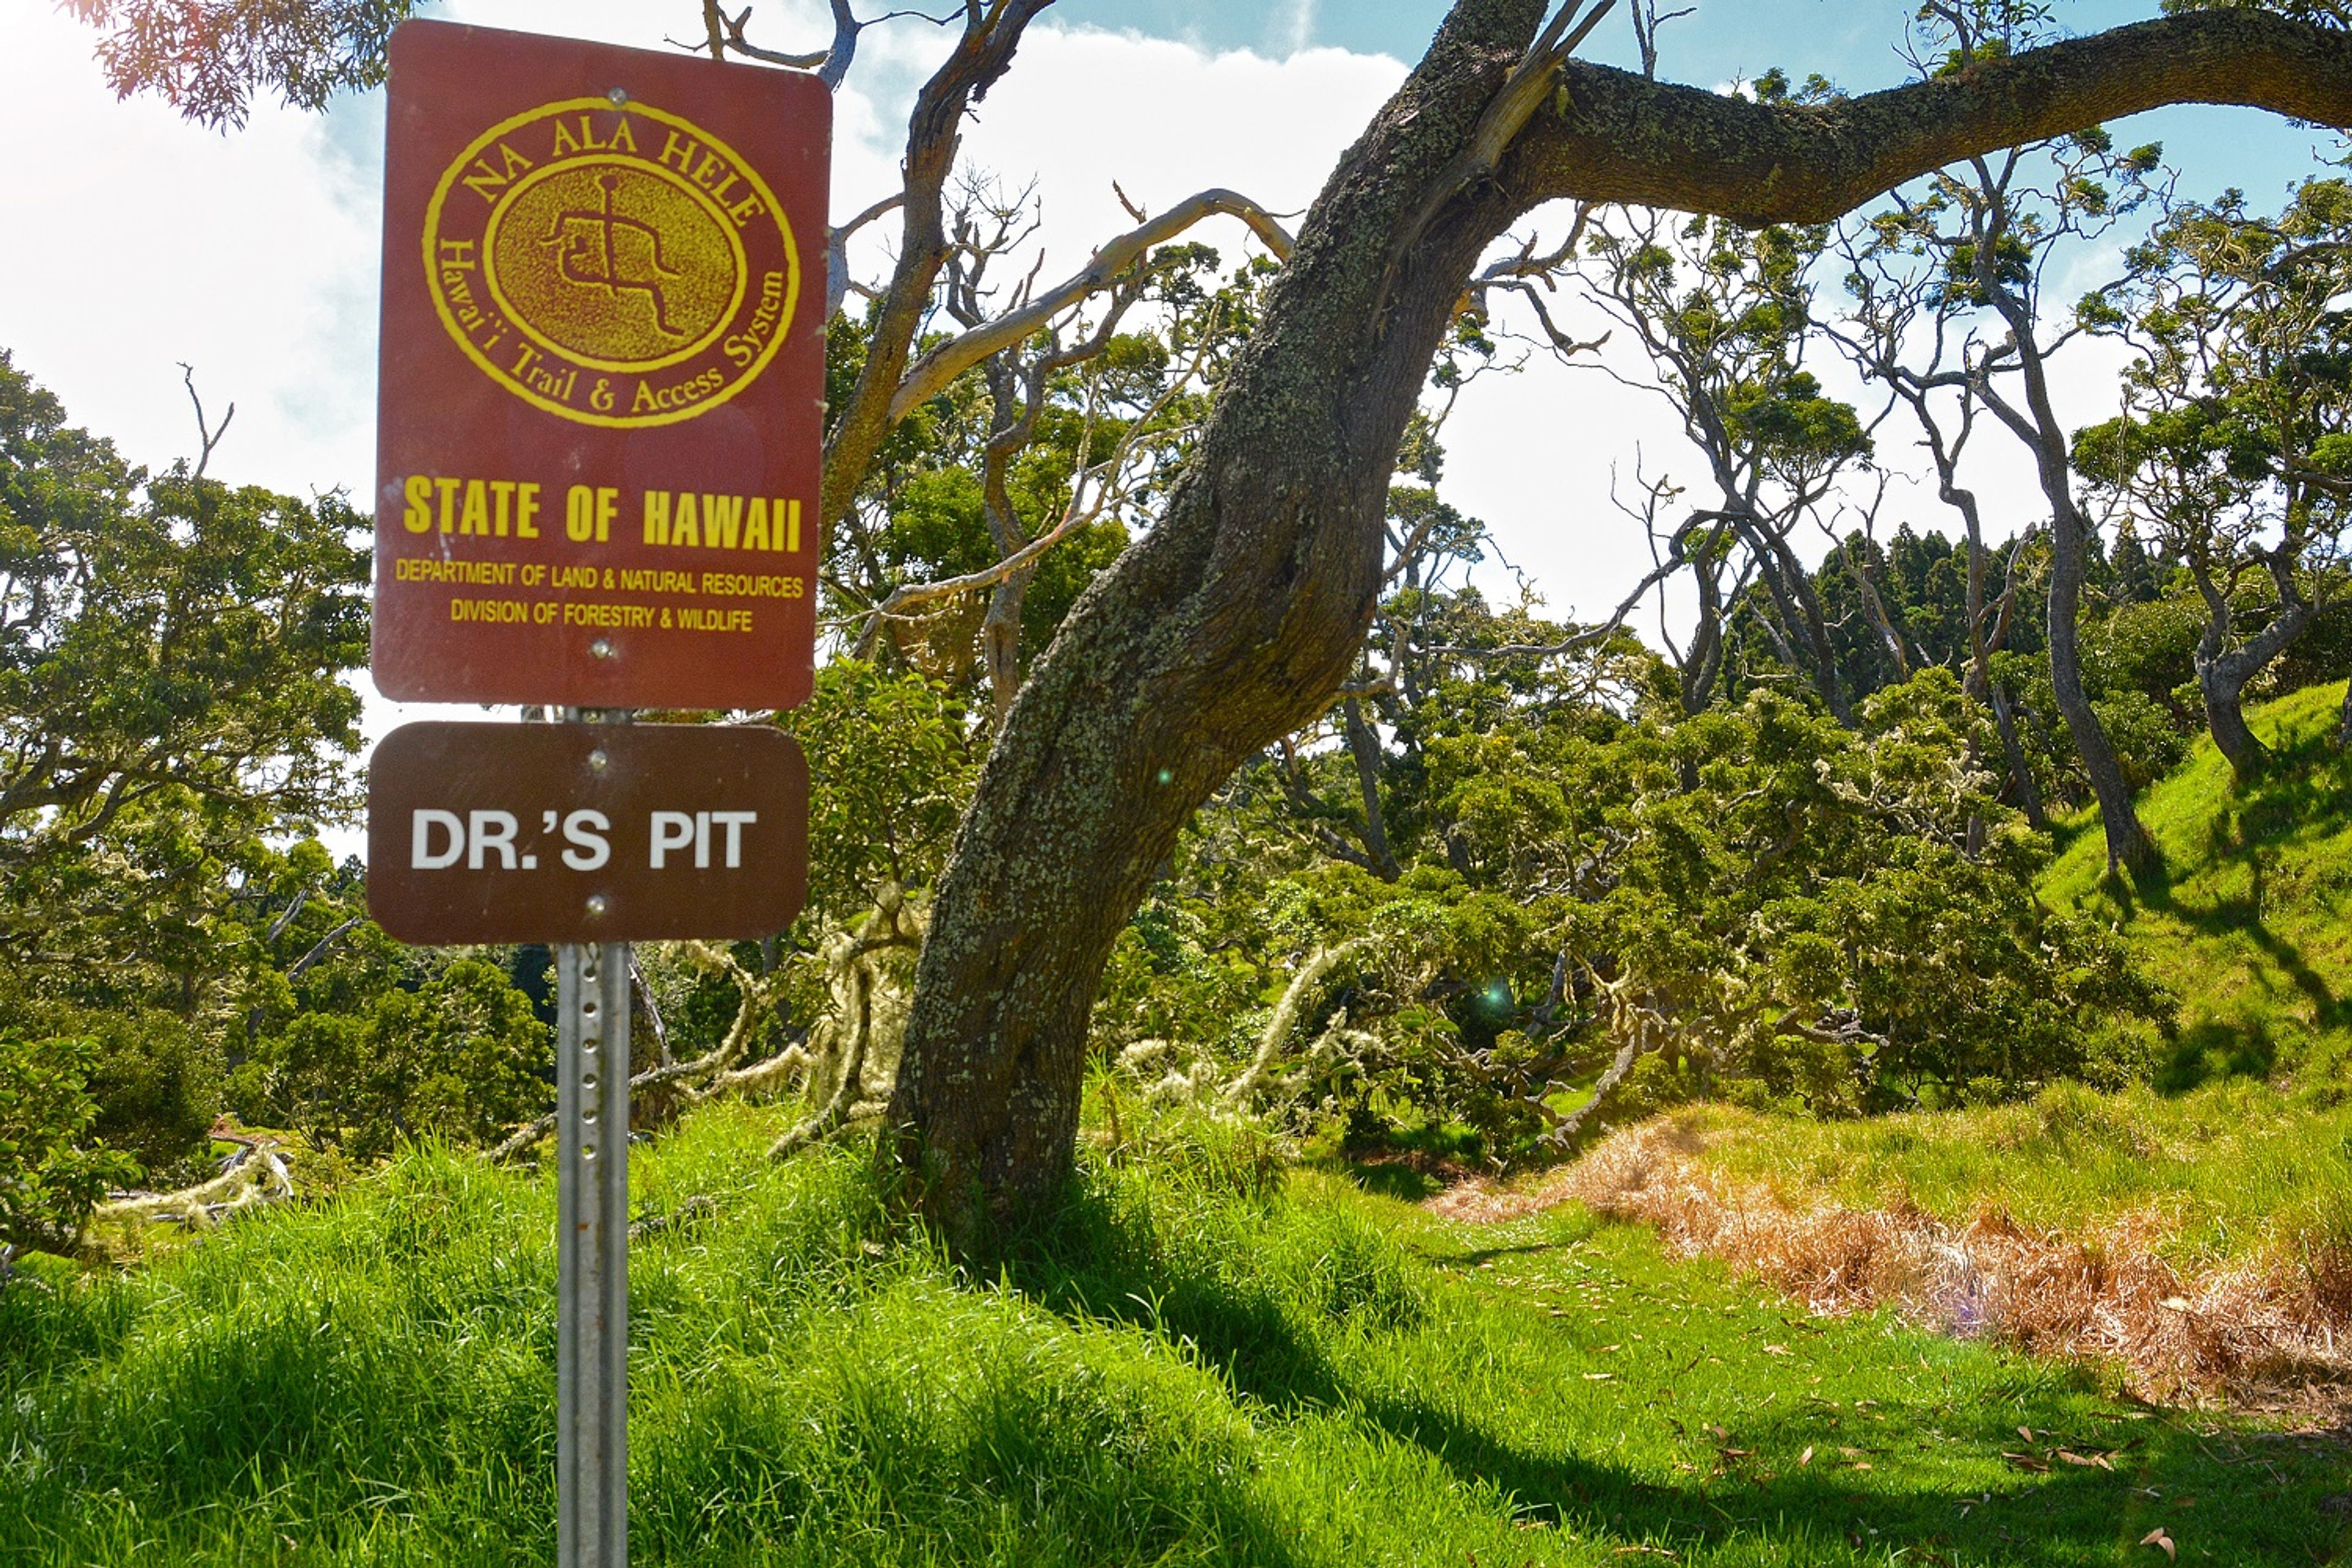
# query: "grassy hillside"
{"points": [[2234, 1174], [2251, 920], [1204, 1361]]}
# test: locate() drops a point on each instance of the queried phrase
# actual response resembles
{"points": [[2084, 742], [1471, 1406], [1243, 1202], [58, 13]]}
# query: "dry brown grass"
{"points": [[2277, 1332]]}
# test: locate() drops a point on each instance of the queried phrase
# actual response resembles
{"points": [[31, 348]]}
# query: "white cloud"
{"points": [[1085, 108], [138, 241]]}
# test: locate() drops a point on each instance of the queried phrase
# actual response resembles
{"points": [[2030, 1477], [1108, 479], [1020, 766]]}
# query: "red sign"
{"points": [[489, 833], [600, 374]]}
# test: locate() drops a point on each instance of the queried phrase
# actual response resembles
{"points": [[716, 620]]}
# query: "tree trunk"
{"points": [[2223, 689], [1366, 747], [2127, 841], [1791, 587], [1705, 661], [2020, 768], [2070, 543], [2223, 672], [1227, 626]]}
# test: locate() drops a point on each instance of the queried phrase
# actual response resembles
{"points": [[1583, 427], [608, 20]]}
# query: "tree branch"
{"points": [[931, 373], [1613, 136], [981, 55], [208, 435]]}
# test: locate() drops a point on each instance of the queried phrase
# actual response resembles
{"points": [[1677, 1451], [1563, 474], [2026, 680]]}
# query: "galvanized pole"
{"points": [[591, 1320]]}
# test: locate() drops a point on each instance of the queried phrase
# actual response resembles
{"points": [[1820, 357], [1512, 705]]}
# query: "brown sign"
{"points": [[485, 833], [600, 374]]}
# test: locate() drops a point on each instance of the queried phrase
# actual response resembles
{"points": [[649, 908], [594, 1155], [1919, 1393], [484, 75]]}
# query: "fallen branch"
{"points": [[856, 1048], [256, 1175], [692, 1209], [870, 1011], [1279, 1027], [1563, 1131], [835, 1114], [753, 991]]}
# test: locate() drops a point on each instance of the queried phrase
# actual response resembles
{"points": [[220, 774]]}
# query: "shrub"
{"points": [[50, 1174]]}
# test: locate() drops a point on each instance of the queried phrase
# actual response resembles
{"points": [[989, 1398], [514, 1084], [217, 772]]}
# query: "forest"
{"points": [[1906, 943]]}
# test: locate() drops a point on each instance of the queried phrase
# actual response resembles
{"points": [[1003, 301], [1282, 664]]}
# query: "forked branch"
{"points": [[932, 374]]}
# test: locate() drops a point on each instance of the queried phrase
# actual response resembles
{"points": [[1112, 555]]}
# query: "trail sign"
{"points": [[600, 374], [592, 833]]}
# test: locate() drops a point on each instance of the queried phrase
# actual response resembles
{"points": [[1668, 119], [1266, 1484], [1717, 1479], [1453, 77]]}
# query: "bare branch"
{"points": [[209, 434], [845, 28], [1647, 19], [910, 597], [286, 916], [837, 283], [301, 965], [930, 374], [1586, 639]]}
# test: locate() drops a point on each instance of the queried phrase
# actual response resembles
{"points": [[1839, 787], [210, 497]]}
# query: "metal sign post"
{"points": [[592, 1199], [601, 384], [585, 832]]}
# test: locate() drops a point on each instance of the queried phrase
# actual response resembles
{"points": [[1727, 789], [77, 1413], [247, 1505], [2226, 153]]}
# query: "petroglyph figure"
{"points": [[602, 250]]}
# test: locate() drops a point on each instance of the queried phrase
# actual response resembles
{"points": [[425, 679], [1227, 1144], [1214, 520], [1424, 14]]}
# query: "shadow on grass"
{"points": [[2074, 1513], [1101, 1266], [2303, 795], [1395, 1179]]}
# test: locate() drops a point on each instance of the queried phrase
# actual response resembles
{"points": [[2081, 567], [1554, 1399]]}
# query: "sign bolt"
{"points": [[618, 96], [598, 761], [601, 647], [595, 903]]}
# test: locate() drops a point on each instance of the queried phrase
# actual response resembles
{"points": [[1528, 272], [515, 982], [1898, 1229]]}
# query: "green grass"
{"points": [[2237, 1171], [1201, 1361], [2251, 919]]}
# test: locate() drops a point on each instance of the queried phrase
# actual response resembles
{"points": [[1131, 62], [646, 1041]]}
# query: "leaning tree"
{"points": [[1236, 619]]}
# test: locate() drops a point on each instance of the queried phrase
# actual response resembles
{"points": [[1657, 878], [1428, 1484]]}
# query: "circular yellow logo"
{"points": [[611, 263]]}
